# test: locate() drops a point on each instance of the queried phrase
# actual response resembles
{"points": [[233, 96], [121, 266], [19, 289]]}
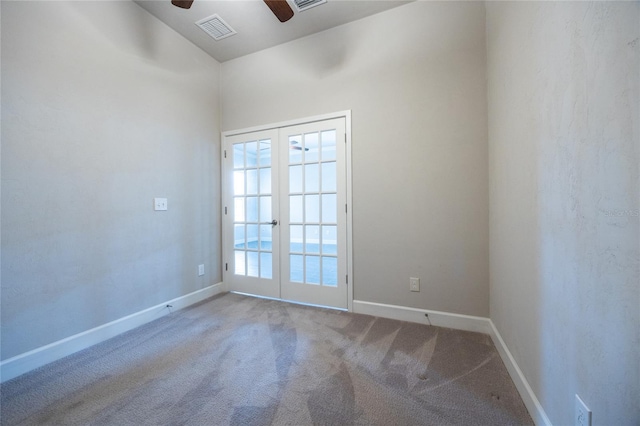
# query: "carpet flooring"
{"points": [[239, 360]]}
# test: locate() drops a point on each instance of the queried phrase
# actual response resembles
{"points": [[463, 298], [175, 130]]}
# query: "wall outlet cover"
{"points": [[414, 284], [583, 414], [200, 270]]}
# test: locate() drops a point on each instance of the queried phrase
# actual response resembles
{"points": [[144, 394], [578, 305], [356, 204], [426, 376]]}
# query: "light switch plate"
{"points": [[160, 204]]}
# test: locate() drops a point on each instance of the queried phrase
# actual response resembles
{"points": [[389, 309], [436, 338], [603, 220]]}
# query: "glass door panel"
{"points": [[253, 238], [314, 256]]}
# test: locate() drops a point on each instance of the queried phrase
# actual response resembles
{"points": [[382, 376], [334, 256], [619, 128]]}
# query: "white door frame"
{"points": [[349, 255]]}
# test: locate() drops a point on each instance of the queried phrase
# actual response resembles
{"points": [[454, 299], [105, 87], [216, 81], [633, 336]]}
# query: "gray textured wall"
{"points": [[417, 92], [103, 108], [564, 152]]}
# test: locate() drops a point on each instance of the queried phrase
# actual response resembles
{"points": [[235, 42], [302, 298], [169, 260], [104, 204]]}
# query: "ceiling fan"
{"points": [[280, 8], [294, 146]]}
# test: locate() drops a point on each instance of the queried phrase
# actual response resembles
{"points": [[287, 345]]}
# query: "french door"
{"points": [[250, 213], [285, 213]]}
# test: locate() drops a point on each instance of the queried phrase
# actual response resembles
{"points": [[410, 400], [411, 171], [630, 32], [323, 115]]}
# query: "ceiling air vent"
{"points": [[307, 4], [215, 26]]}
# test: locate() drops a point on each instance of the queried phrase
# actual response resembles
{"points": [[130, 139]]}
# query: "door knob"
{"points": [[274, 222]]}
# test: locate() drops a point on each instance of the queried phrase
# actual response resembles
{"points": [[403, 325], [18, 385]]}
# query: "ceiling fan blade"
{"points": [[281, 9], [185, 4]]}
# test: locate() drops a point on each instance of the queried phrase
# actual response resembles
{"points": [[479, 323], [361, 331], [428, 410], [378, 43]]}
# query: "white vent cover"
{"points": [[215, 26], [307, 4]]}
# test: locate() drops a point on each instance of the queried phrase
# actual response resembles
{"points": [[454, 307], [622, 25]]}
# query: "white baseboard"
{"points": [[20, 364], [526, 393], [437, 318]]}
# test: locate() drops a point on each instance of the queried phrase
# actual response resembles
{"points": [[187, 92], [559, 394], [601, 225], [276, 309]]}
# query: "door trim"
{"points": [[349, 194]]}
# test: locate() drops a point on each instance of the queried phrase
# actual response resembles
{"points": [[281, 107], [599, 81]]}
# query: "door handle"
{"points": [[274, 222]]}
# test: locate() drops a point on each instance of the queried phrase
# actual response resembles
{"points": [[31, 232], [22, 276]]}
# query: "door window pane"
{"points": [[238, 156], [252, 154], [265, 181], [295, 208], [252, 181], [295, 179], [252, 209], [312, 239], [238, 209], [266, 265], [265, 209], [329, 177], [311, 178], [252, 264], [329, 211], [312, 208], [311, 148], [295, 238], [266, 237], [265, 152], [330, 271], [239, 262], [312, 269], [238, 182], [252, 236], [329, 239], [238, 236], [328, 145], [295, 149], [296, 268]]}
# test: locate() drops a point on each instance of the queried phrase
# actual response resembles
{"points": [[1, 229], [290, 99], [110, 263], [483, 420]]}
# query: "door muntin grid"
{"points": [[252, 209], [313, 227]]}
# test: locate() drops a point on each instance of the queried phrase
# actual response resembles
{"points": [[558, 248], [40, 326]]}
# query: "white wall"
{"points": [[103, 108], [564, 237], [414, 78]]}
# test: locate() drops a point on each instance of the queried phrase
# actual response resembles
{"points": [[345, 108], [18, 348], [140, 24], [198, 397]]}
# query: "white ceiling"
{"points": [[256, 25]]}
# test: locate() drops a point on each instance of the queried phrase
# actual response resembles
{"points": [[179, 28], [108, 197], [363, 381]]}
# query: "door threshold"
{"points": [[295, 302]]}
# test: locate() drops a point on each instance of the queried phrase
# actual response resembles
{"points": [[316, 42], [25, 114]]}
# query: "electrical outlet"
{"points": [[414, 284], [583, 414], [200, 270], [159, 204]]}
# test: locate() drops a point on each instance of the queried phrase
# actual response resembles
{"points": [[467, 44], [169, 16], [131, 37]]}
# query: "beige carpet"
{"points": [[238, 360]]}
